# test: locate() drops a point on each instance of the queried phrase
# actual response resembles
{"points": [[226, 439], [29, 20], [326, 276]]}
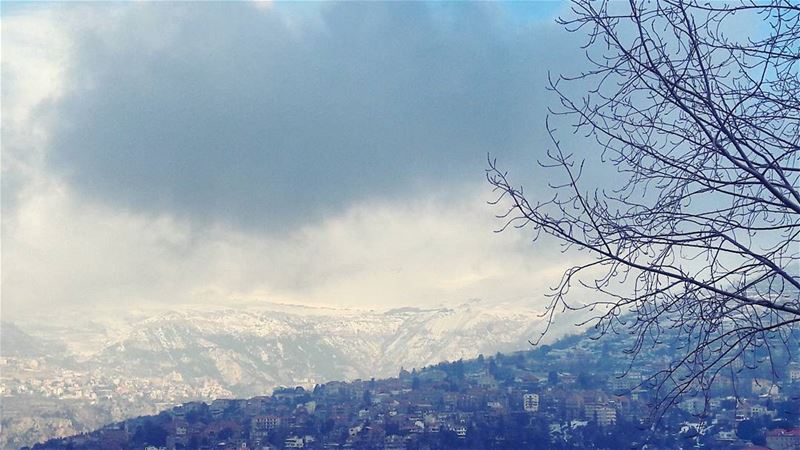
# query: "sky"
{"points": [[317, 153]]}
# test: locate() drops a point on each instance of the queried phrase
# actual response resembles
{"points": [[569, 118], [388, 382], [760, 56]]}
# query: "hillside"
{"points": [[123, 365], [569, 395]]}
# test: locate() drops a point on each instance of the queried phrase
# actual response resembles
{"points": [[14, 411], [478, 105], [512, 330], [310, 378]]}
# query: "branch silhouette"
{"points": [[701, 238]]}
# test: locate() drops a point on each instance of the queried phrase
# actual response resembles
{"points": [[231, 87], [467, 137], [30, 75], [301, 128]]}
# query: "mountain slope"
{"points": [[16, 343], [250, 352], [144, 361]]}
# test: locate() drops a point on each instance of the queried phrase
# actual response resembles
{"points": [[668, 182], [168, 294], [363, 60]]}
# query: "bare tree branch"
{"points": [[701, 238]]}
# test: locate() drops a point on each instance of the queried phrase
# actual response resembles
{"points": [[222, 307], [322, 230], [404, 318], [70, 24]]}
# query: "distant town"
{"points": [[573, 394], [43, 399]]}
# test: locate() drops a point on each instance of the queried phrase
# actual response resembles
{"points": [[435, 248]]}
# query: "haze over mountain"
{"points": [[16, 343]]}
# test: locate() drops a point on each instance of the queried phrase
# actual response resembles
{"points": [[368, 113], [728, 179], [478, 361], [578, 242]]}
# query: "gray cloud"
{"points": [[226, 112]]}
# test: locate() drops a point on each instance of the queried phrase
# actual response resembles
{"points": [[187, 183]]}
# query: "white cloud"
{"points": [[60, 252], [35, 50]]}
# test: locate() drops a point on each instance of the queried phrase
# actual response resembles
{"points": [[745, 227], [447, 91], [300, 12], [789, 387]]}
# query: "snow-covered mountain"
{"points": [[249, 352], [72, 371]]}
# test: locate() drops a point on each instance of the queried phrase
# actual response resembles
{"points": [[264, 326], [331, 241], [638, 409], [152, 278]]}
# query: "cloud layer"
{"points": [[268, 118], [426, 252], [325, 153]]}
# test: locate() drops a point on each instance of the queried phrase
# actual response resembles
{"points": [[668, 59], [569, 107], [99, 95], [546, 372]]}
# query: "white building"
{"points": [[530, 402], [726, 435], [794, 373], [605, 415], [294, 442]]}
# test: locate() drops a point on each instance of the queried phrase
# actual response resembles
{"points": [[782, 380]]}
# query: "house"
{"points": [[294, 442], [794, 373], [726, 436], [494, 405], [266, 422], [604, 415], [530, 402]]}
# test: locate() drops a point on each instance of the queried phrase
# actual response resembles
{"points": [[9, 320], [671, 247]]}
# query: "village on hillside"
{"points": [[572, 395]]}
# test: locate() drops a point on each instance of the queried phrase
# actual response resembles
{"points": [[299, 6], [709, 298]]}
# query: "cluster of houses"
{"points": [[515, 401], [33, 378]]}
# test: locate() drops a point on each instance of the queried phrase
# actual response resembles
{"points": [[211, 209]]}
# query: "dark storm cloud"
{"points": [[270, 118]]}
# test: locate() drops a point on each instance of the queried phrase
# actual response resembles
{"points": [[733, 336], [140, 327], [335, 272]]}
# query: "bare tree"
{"points": [[697, 107]]}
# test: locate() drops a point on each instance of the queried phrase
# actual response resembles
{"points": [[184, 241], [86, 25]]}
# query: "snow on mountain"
{"points": [[251, 351], [70, 371]]}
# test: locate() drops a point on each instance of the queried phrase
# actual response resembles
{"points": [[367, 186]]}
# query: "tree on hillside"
{"points": [[695, 108]]}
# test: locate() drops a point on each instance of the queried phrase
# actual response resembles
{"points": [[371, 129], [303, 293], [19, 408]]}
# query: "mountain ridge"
{"points": [[146, 360]]}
